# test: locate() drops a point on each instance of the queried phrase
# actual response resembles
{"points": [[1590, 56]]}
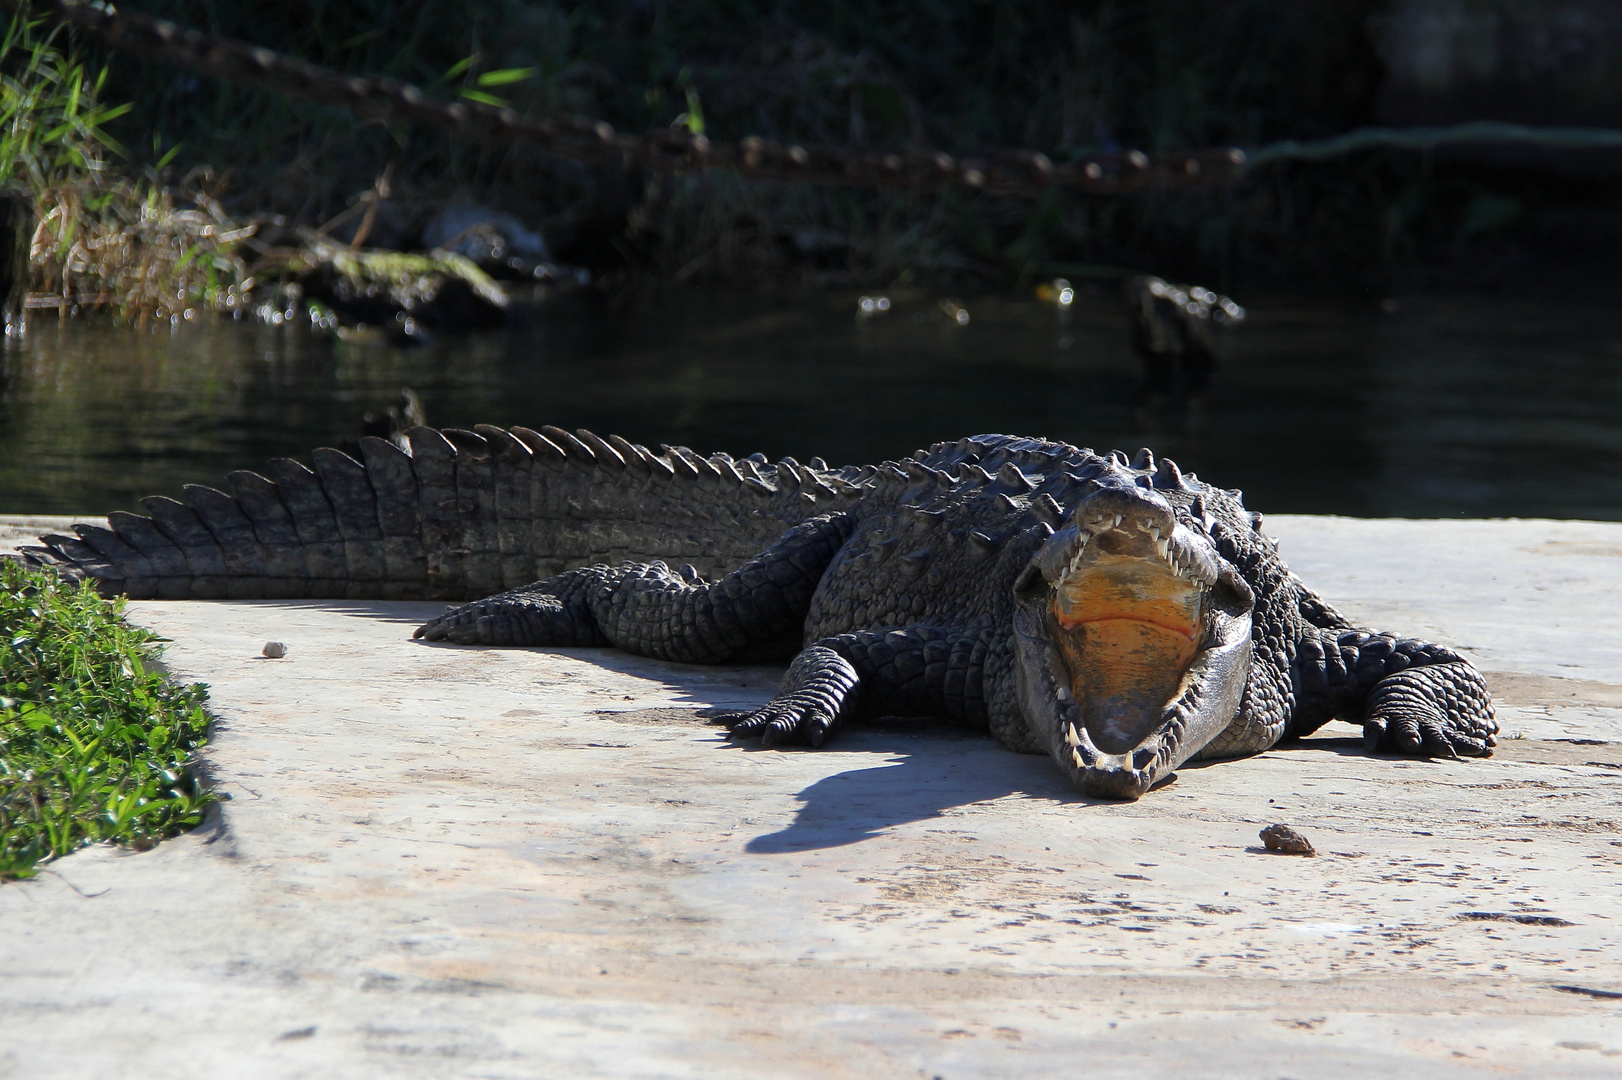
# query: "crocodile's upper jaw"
{"points": [[1134, 643]]}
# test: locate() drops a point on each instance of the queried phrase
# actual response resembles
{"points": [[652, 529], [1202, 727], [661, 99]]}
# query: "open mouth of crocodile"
{"points": [[1134, 641]]}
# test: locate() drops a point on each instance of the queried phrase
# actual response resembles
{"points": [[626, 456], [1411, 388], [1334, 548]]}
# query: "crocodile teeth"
{"points": [[1162, 546], [1071, 739], [1118, 519], [1081, 549], [1075, 756]]}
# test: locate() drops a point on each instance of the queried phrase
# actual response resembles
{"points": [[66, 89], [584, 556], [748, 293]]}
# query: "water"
{"points": [[1450, 406]]}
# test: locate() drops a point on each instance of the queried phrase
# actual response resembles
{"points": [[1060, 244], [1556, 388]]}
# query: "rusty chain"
{"points": [[584, 139]]}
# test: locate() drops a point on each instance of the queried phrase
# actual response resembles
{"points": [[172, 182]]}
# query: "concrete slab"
{"points": [[477, 863], [1534, 603]]}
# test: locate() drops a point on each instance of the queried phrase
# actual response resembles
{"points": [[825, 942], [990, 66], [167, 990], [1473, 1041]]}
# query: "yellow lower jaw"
{"points": [[1128, 632]]}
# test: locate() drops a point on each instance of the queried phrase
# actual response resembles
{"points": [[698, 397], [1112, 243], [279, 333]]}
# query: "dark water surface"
{"points": [[1447, 406]]}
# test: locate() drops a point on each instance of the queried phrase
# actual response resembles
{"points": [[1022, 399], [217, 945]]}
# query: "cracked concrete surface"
{"points": [[442, 862]]}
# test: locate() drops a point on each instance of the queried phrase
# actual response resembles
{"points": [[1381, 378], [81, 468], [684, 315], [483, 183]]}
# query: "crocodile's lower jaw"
{"points": [[1127, 631], [1131, 753]]}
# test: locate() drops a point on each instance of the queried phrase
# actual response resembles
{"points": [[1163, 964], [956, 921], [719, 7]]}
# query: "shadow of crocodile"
{"points": [[927, 773]]}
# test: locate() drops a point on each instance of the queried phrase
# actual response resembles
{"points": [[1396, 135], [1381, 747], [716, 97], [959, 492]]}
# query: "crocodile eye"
{"points": [[1233, 591], [1029, 583]]}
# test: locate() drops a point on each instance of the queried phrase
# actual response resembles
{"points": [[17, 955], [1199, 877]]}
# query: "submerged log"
{"points": [[396, 291]]}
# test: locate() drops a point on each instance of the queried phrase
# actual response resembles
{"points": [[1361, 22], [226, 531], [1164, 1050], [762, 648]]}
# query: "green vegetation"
{"points": [[106, 237], [209, 161], [52, 130], [958, 75], [95, 742]]}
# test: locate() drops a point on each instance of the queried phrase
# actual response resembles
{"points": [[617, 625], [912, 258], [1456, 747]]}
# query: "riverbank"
{"points": [[1342, 189], [439, 861]]}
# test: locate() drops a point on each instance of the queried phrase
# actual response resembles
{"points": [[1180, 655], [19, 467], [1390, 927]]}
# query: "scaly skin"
{"points": [[1041, 592]]}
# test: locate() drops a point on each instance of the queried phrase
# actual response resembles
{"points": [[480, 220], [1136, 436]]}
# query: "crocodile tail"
{"points": [[458, 516]]}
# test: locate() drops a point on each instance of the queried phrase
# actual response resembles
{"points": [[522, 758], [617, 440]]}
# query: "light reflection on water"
{"points": [[1460, 406]]}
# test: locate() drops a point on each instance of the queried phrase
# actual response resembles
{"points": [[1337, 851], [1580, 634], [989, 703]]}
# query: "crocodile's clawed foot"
{"points": [[818, 692], [482, 623], [796, 717], [1432, 712], [512, 618]]}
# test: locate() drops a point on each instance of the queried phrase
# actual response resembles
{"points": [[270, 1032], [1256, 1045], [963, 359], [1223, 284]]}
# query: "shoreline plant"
{"points": [[166, 230], [871, 75], [97, 744], [105, 237]]}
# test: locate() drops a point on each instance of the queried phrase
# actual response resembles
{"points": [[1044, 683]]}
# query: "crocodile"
{"points": [[1174, 333], [1111, 612]]}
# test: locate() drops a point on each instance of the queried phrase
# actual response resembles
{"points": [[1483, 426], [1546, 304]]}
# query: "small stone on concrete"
{"points": [[1284, 840], [275, 650]]}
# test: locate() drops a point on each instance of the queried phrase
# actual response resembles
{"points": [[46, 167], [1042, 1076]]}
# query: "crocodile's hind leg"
{"points": [[1411, 696], [647, 608]]}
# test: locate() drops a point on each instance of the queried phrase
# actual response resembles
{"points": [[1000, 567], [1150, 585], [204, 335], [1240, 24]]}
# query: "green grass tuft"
{"points": [[107, 237], [96, 743]]}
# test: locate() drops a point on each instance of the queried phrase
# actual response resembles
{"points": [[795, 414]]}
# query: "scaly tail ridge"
{"points": [[461, 515]]}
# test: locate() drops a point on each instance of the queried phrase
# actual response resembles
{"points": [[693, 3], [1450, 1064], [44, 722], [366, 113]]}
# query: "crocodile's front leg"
{"points": [[755, 612], [917, 671], [1411, 696]]}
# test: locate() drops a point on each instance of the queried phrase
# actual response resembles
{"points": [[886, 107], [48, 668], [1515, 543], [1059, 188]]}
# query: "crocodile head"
{"points": [[1133, 639]]}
